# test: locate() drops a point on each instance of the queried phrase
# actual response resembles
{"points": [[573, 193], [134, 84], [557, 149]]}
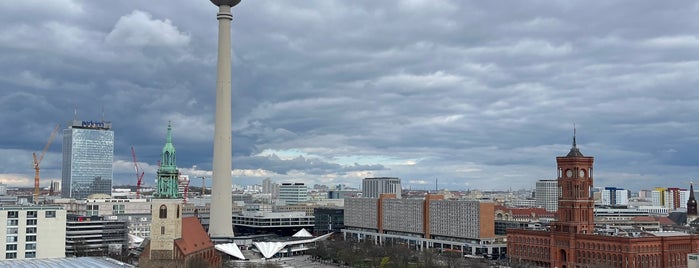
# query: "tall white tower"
{"points": [[221, 216]]}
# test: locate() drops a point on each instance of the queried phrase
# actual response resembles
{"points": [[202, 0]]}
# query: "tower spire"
{"points": [[691, 203], [574, 134], [574, 151], [168, 138], [167, 172]]}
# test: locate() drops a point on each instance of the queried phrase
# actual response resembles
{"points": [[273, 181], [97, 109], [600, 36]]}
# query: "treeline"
{"points": [[368, 255]]}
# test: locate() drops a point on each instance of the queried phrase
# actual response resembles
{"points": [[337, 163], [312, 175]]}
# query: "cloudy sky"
{"points": [[479, 95]]}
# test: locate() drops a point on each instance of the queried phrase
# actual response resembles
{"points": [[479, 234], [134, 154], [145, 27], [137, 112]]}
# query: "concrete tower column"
{"points": [[221, 216]]}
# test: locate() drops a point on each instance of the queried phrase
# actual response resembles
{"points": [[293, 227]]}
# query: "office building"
{"points": [[32, 232], [374, 187], [95, 236], [573, 240], [615, 196], [328, 220], [432, 222], [293, 193], [88, 154], [546, 195], [267, 222]]}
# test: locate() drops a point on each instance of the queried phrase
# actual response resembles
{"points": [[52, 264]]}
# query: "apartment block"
{"points": [[463, 225], [32, 232]]}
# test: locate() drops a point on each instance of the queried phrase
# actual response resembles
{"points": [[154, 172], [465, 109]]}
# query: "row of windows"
{"points": [[13, 238], [32, 214], [15, 230], [13, 247], [16, 222], [13, 255]]}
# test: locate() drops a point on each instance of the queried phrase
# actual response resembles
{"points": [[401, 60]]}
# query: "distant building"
{"points": [[374, 187], [671, 198], [95, 236], [33, 232], [615, 196], [271, 188], [88, 154], [293, 193], [546, 194], [342, 194]]}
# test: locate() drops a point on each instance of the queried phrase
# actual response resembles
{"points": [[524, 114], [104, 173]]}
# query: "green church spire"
{"points": [[167, 172]]}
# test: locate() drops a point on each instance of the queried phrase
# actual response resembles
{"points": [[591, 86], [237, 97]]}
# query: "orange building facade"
{"points": [[571, 240]]}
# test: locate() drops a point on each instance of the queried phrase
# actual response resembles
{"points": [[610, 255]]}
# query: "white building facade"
{"points": [[546, 194], [293, 193], [33, 232], [374, 187]]}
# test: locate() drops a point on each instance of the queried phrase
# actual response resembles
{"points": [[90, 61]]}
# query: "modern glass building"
{"points": [[88, 153]]}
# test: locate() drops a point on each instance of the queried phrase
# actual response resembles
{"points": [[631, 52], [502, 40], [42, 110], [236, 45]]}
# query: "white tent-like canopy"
{"points": [[268, 249], [302, 233], [230, 249]]}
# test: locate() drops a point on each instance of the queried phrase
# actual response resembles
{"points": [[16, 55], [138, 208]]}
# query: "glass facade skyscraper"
{"points": [[88, 154]]}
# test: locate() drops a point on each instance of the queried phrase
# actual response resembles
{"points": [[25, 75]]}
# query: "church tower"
{"points": [[166, 206], [691, 205], [575, 204]]}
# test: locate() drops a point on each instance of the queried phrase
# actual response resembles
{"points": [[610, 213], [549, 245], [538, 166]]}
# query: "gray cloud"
{"points": [[475, 94]]}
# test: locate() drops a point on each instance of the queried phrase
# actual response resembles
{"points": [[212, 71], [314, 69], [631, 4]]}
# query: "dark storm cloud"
{"points": [[477, 94]]}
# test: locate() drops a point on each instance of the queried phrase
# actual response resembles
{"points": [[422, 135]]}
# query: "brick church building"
{"points": [[572, 241]]}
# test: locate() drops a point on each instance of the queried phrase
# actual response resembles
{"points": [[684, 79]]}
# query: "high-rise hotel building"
{"points": [[88, 153], [374, 187]]}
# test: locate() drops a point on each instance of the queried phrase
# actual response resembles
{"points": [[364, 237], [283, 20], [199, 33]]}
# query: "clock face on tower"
{"points": [[569, 173], [581, 173]]}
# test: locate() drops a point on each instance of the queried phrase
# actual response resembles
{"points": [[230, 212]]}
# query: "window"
{"points": [[13, 214], [163, 211], [31, 238], [31, 254], [162, 230], [30, 246], [178, 211], [118, 209], [31, 222], [12, 222], [11, 239], [12, 230], [31, 230], [12, 255], [50, 214], [11, 247], [31, 214]]}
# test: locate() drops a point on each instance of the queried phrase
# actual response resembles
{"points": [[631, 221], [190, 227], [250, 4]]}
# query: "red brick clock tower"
{"points": [[575, 203]]}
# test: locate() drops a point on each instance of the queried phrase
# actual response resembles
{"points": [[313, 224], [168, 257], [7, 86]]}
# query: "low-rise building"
{"points": [[95, 236]]}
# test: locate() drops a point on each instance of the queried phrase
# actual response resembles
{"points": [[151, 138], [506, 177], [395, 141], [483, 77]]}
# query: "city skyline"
{"points": [[475, 95]]}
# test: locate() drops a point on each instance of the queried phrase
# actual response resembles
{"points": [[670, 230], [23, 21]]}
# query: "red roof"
{"points": [[526, 212], [194, 237], [661, 220]]}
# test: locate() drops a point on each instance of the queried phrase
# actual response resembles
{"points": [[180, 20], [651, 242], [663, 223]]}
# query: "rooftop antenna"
{"points": [[75, 112], [436, 183], [102, 119]]}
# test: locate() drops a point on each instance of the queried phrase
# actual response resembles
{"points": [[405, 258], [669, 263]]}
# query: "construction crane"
{"points": [[37, 161], [139, 174]]}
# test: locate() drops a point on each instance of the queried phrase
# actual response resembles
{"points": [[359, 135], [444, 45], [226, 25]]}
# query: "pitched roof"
{"points": [[194, 237]]}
